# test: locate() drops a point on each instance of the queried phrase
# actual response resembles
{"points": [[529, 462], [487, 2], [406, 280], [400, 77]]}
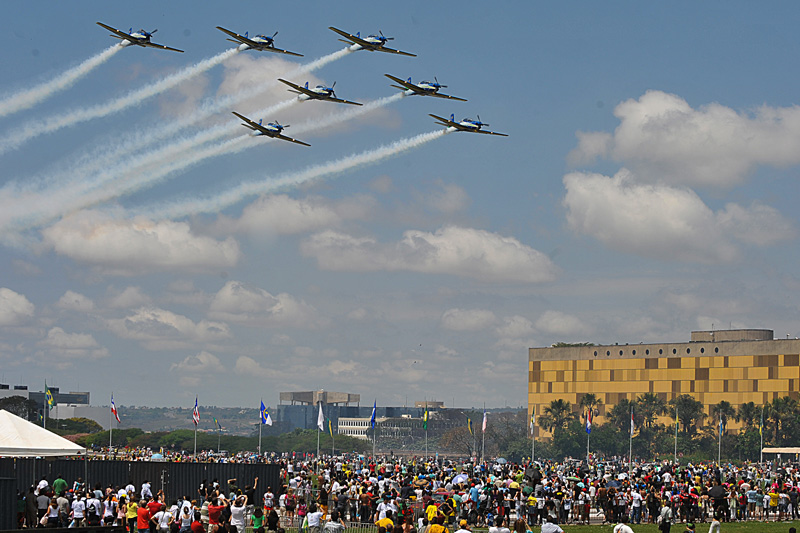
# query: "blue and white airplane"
{"points": [[272, 129], [469, 125], [320, 92], [139, 38], [373, 43], [261, 43], [423, 88]]}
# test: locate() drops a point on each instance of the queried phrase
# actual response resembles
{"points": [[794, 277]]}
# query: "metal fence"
{"points": [[175, 479]]}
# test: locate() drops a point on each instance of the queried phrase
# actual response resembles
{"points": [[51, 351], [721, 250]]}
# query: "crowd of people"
{"points": [[416, 496]]}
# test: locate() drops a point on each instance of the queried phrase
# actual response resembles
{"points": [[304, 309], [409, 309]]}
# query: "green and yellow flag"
{"points": [[425, 420], [51, 402], [469, 426], [330, 428]]}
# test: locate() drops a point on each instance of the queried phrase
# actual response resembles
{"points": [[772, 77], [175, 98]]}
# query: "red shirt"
{"points": [[142, 518], [197, 527], [154, 507], [214, 513]]}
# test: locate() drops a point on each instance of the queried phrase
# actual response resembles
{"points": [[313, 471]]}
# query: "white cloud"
{"points": [[130, 246], [73, 301], [515, 327], [160, 329], [204, 363], [253, 306], [665, 222], [62, 345], [662, 137], [467, 319], [247, 366], [129, 298], [558, 323], [15, 308], [281, 215], [450, 199], [451, 250]]}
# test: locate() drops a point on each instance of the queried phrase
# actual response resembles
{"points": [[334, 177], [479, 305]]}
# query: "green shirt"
{"points": [[59, 486]]}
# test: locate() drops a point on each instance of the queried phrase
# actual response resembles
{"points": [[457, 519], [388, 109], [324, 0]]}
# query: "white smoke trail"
{"points": [[52, 124], [31, 209], [28, 98], [225, 103], [239, 193]]}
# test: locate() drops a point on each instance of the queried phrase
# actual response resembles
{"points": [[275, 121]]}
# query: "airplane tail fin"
{"points": [[306, 85], [130, 31], [260, 121], [452, 117], [358, 34], [409, 79], [245, 35]]}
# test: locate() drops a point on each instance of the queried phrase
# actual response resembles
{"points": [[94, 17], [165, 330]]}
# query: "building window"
{"points": [[702, 350], [688, 350], [674, 351], [595, 353], [660, 351], [634, 352], [716, 349], [647, 352], [620, 352], [608, 353]]}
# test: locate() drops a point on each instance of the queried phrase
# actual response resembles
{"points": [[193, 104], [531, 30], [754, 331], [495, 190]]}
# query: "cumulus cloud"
{"points": [[253, 306], [467, 319], [129, 298], [247, 366], [662, 137], [130, 246], [281, 215], [558, 323], [451, 250], [449, 198], [63, 345], [73, 301], [204, 363], [15, 308], [666, 222], [515, 327], [160, 329]]}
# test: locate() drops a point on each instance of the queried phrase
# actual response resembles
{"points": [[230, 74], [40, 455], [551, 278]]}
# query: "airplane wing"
{"points": [[273, 49], [440, 95], [251, 124], [332, 99], [447, 122], [285, 138], [488, 132], [118, 34], [241, 38], [406, 84], [352, 38], [161, 46], [391, 51], [300, 89]]}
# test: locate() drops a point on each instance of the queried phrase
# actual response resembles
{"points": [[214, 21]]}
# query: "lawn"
{"points": [[727, 527]]}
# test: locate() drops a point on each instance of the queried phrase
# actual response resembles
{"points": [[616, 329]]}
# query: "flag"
{"points": [[330, 427], [425, 419], [469, 426], [633, 426], [216, 424], [265, 418], [48, 395], [321, 419], [722, 426], [114, 409], [196, 413], [761, 425], [483, 427], [533, 419], [372, 418], [589, 421]]}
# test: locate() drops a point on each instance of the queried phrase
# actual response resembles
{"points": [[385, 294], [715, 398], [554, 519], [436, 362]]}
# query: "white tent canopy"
{"points": [[20, 438]]}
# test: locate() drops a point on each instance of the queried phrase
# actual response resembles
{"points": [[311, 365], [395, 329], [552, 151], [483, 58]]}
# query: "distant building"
{"points": [[738, 366], [68, 404], [429, 404]]}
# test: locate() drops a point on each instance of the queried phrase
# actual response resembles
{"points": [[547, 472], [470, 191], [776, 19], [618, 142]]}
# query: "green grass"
{"points": [[727, 527]]}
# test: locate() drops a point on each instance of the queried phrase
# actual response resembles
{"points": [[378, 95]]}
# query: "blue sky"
{"points": [[647, 188]]}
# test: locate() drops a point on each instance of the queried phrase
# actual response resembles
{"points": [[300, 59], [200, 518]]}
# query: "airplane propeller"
{"points": [[273, 35], [437, 82], [481, 123], [384, 37]]}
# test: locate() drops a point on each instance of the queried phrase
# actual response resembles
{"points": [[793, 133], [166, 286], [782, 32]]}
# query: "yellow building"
{"points": [[739, 366]]}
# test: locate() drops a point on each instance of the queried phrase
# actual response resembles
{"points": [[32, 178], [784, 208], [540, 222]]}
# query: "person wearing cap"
{"points": [[463, 527]]}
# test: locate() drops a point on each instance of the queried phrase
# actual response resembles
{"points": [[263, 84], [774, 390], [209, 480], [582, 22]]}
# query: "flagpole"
{"points": [[719, 441], [761, 434], [630, 445], [110, 426], [44, 407], [483, 434], [426, 430], [675, 456], [219, 437], [533, 436], [260, 423]]}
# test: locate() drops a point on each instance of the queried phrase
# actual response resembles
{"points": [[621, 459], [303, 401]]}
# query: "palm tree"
{"points": [[779, 412], [750, 415], [620, 414], [650, 405], [722, 411], [556, 415], [690, 411]]}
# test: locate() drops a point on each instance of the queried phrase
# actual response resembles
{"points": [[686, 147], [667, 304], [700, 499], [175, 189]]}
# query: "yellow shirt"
{"points": [[133, 507], [385, 522], [431, 512]]}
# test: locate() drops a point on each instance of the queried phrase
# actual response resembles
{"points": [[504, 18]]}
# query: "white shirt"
{"points": [[78, 508], [146, 493], [162, 519], [237, 517], [622, 528], [314, 518], [268, 497]]}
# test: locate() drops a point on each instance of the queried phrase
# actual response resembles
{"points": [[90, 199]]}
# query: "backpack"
{"points": [[91, 509]]}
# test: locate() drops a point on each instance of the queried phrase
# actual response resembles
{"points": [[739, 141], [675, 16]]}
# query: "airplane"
{"points": [[273, 129], [424, 88], [320, 92], [469, 125], [373, 43], [139, 38], [262, 43]]}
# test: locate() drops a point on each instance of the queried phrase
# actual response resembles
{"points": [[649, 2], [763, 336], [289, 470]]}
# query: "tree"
{"points": [[22, 407], [458, 440], [590, 401], [750, 415], [650, 406], [556, 416], [620, 415], [690, 412], [782, 412], [722, 411]]}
